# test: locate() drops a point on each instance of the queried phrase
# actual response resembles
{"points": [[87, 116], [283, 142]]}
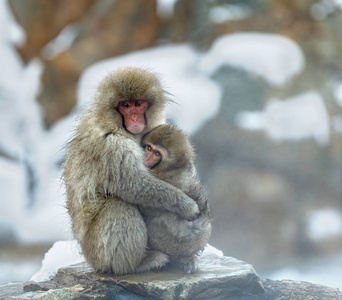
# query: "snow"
{"points": [[324, 224], [229, 12], [197, 96], [273, 57], [321, 225], [338, 93], [28, 168], [165, 8], [298, 117], [323, 8], [10, 31], [11, 175], [212, 250], [61, 43], [61, 254], [45, 221]]}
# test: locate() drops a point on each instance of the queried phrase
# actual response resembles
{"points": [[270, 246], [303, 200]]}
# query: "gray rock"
{"points": [[289, 289], [217, 278]]}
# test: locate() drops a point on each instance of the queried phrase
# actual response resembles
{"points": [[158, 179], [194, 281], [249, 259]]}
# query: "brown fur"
{"points": [[105, 178], [167, 232]]}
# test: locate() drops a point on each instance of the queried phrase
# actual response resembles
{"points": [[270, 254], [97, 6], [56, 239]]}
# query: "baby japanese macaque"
{"points": [[170, 157]]}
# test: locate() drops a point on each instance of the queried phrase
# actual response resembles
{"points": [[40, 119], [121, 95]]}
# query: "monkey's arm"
{"points": [[129, 179], [150, 192], [196, 192]]}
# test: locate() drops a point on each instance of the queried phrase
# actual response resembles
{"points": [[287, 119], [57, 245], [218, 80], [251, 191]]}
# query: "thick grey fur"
{"points": [[106, 179], [169, 233]]}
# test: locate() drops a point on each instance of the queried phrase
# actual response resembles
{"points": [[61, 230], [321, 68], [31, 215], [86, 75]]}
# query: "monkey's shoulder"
{"points": [[124, 145]]}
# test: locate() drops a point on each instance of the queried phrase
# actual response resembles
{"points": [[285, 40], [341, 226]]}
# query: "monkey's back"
{"points": [[96, 213]]}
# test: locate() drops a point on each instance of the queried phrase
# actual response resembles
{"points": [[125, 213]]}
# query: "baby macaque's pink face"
{"points": [[153, 155], [133, 112]]}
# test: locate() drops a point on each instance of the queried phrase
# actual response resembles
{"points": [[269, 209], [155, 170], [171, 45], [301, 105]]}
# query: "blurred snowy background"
{"points": [[257, 86]]}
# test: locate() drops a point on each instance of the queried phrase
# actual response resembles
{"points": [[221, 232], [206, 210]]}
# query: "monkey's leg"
{"points": [[153, 260], [180, 239], [167, 230], [188, 264], [117, 238]]}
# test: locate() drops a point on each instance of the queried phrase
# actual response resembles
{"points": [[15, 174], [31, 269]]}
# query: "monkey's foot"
{"points": [[190, 267], [153, 260], [187, 264]]}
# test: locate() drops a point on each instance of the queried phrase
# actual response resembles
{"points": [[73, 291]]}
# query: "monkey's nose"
{"points": [[134, 117]]}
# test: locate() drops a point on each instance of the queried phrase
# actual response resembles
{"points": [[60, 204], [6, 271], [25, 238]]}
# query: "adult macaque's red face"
{"points": [[134, 114]]}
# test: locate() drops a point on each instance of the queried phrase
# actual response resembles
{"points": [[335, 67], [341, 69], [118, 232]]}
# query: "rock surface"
{"points": [[217, 278], [288, 289]]}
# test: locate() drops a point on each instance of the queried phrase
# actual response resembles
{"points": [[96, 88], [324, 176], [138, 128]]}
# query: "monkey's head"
{"points": [[167, 148], [132, 99]]}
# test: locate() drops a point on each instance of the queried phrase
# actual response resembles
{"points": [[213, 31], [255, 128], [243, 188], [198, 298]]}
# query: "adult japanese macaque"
{"points": [[170, 157], [106, 179]]}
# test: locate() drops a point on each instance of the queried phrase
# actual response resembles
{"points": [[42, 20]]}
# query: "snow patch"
{"points": [[165, 8], [338, 94], [212, 250], [29, 177], [61, 254], [323, 8], [273, 57], [324, 224], [302, 116], [61, 43], [10, 30], [12, 187], [229, 12]]}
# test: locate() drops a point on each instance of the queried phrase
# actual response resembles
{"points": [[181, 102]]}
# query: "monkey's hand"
{"points": [[187, 209], [202, 205], [198, 194]]}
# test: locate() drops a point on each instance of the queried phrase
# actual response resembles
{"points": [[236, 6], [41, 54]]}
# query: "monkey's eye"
{"points": [[157, 154], [138, 102], [125, 104], [149, 148]]}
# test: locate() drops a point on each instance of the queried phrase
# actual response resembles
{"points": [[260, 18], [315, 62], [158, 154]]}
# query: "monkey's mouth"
{"points": [[136, 129], [147, 165]]}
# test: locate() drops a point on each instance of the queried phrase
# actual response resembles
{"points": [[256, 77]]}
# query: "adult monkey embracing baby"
{"points": [[106, 179]]}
